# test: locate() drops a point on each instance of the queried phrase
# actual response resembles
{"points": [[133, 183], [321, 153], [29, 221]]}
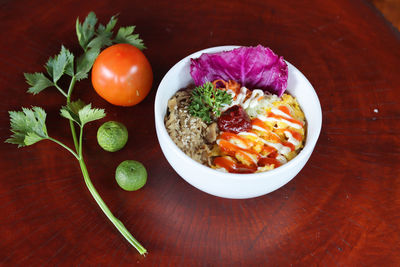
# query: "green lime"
{"points": [[131, 175], [112, 136]]}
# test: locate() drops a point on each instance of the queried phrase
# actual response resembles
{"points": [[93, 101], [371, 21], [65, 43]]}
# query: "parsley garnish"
{"points": [[29, 125], [207, 101]]}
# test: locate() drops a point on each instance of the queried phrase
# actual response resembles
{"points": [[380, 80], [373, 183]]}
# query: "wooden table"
{"points": [[341, 209]]}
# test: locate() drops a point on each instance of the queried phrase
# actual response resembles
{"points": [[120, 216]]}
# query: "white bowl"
{"points": [[231, 185]]}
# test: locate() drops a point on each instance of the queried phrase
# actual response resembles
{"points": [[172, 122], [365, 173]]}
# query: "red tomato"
{"points": [[122, 75]]}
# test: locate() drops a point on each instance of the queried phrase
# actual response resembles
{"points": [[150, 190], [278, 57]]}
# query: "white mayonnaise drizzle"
{"points": [[261, 129], [247, 133], [281, 159], [237, 142], [252, 156], [281, 113], [240, 99], [291, 139], [269, 119], [284, 150]]}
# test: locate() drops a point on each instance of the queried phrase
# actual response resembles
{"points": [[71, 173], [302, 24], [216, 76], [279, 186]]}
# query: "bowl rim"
{"points": [[299, 158]]}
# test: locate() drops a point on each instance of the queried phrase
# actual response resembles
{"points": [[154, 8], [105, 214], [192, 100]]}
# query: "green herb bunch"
{"points": [[206, 102], [29, 125]]}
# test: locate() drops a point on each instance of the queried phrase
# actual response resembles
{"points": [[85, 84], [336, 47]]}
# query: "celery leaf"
{"points": [[28, 126], [37, 81], [124, 35]]}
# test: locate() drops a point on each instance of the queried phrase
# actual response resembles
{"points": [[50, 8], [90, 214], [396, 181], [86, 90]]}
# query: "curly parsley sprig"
{"points": [[207, 101], [29, 125]]}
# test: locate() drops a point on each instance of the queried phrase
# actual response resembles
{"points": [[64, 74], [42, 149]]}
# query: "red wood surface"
{"points": [[342, 209]]}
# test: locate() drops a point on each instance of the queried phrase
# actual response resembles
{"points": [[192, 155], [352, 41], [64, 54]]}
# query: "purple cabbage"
{"points": [[254, 67]]}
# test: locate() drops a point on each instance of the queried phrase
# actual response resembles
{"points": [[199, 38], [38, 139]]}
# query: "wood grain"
{"points": [[341, 210]]}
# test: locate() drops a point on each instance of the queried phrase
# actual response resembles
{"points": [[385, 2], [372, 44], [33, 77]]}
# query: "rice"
{"points": [[190, 134]]}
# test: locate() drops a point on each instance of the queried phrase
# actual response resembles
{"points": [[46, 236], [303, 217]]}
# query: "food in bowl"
{"points": [[235, 185], [238, 118]]}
